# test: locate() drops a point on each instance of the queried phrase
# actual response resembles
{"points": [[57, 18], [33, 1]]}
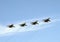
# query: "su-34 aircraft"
{"points": [[11, 26], [47, 20], [32, 23], [35, 22], [23, 25]]}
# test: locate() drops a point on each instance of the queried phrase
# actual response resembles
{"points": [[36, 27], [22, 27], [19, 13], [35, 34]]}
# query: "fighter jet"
{"points": [[23, 24], [47, 20], [34, 23], [11, 26]]}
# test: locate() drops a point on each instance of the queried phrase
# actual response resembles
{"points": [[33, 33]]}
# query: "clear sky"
{"points": [[20, 10]]}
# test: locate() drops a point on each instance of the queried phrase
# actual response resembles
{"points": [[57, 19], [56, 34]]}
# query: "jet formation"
{"points": [[32, 23]]}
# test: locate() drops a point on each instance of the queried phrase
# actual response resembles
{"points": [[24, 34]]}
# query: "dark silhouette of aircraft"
{"points": [[47, 20], [34, 23], [22, 25], [11, 26]]}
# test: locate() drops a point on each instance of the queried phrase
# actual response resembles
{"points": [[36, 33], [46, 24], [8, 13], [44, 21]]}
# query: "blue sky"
{"points": [[12, 11]]}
